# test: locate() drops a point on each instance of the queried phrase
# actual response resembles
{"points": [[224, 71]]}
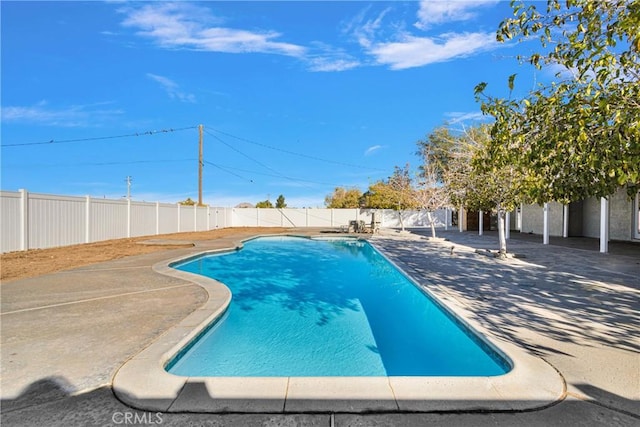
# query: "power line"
{"points": [[131, 162], [228, 171], [255, 160], [64, 141], [293, 153], [273, 175]]}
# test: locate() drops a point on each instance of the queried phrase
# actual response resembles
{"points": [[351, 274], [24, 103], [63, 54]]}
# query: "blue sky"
{"points": [[295, 97]]}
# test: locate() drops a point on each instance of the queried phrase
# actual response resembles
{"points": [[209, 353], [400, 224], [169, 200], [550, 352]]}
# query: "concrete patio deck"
{"points": [[65, 335]]}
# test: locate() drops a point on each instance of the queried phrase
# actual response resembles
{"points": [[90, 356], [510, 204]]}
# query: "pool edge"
{"points": [[143, 383]]}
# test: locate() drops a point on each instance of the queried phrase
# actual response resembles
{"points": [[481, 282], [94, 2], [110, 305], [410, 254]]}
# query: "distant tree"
{"points": [[431, 194], [343, 198], [264, 204], [187, 202], [280, 204], [483, 175], [395, 193], [436, 151]]}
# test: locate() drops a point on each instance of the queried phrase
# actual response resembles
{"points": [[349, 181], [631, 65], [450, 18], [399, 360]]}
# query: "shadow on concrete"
{"points": [[571, 302], [101, 407]]}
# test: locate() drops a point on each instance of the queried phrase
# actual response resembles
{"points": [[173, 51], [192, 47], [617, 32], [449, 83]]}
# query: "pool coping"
{"points": [[143, 383]]}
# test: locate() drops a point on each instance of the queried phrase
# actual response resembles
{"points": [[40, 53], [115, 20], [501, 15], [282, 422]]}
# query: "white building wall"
{"points": [[533, 219], [591, 218], [621, 216]]}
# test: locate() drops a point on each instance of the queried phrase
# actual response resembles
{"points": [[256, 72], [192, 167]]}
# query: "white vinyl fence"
{"points": [[38, 221]]}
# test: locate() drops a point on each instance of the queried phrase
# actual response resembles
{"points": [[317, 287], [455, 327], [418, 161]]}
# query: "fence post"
{"points": [[128, 218], [157, 218], [87, 219], [178, 204], [306, 217], [195, 217], [24, 219], [208, 217]]}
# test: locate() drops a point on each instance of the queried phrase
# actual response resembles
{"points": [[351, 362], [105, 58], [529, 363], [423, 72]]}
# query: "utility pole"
{"points": [[200, 163], [128, 181]]}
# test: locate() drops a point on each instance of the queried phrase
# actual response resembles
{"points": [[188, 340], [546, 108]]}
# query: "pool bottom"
{"points": [[143, 382]]}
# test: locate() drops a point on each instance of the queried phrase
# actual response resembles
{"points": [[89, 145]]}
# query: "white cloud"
{"points": [[187, 26], [369, 151], [441, 11], [458, 117], [172, 88], [69, 116], [411, 51]]}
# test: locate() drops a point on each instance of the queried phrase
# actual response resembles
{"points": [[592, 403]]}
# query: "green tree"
{"points": [[343, 198], [265, 204], [395, 193], [280, 203], [578, 136], [436, 151], [430, 193], [481, 174]]}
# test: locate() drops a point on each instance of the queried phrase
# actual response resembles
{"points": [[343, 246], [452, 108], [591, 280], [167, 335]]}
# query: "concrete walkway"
{"points": [[64, 335]]}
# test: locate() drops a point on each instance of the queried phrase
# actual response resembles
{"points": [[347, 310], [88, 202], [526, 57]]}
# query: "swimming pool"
{"points": [[326, 307]]}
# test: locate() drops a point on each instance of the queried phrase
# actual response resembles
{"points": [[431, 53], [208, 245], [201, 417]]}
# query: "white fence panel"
{"points": [[41, 221], [245, 217], [11, 224], [344, 216], [296, 218], [187, 220], [56, 220], [319, 218], [108, 219], [168, 218], [143, 219], [202, 219], [271, 218]]}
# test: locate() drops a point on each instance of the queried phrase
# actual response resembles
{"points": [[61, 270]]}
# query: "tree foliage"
{"points": [[280, 203], [343, 198], [430, 193], [578, 136], [265, 204], [187, 202], [395, 193]]}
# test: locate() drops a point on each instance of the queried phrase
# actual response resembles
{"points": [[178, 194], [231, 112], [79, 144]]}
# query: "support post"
{"points": [[565, 221], [446, 219], [200, 162], [460, 214], [87, 219], [128, 218], [24, 219], [545, 224], [157, 218], [480, 225], [604, 225], [507, 225]]}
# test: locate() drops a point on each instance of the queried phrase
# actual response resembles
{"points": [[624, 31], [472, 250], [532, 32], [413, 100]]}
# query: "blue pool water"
{"points": [[304, 307]]}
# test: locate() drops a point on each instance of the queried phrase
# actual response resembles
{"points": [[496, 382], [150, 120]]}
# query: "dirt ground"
{"points": [[36, 262]]}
